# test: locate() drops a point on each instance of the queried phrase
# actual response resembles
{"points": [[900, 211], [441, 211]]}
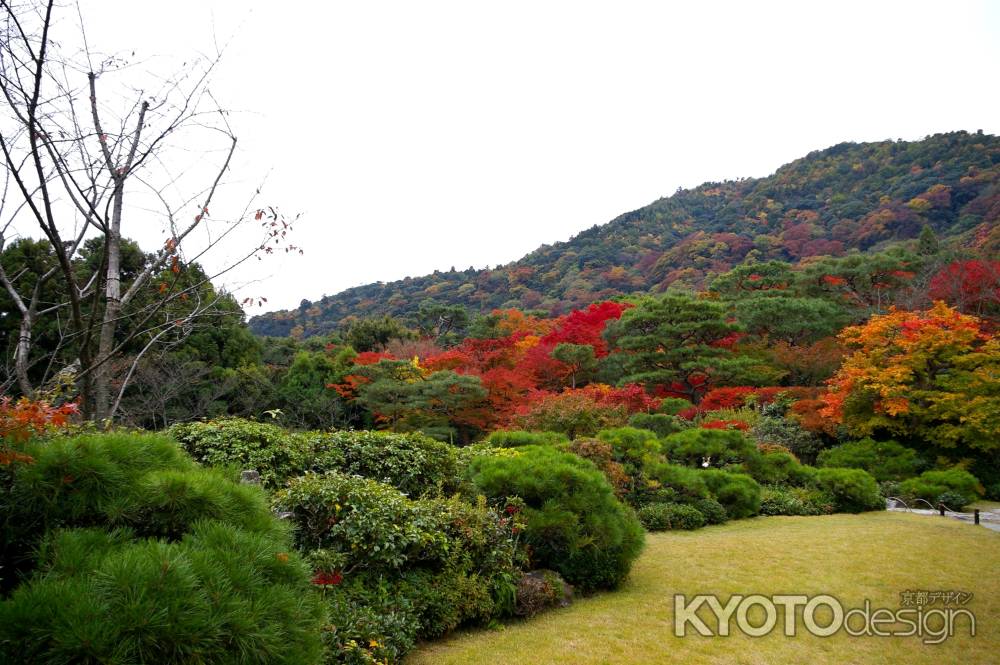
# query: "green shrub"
{"points": [[663, 516], [671, 406], [777, 430], [573, 522], [368, 624], [717, 447], [517, 438], [952, 500], [688, 483], [852, 490], [634, 448], [143, 482], [712, 510], [931, 484], [413, 463], [778, 468], [219, 594], [776, 500], [738, 493], [886, 460], [449, 562], [275, 453], [660, 423]]}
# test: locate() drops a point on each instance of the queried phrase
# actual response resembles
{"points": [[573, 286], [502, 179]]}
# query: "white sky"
{"points": [[419, 135]]}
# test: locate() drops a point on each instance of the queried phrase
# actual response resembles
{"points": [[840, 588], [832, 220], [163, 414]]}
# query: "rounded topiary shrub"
{"points": [[712, 510], [852, 490], [931, 484], [573, 522], [886, 460], [738, 493], [715, 447], [275, 453], [663, 516], [684, 481], [413, 463]]}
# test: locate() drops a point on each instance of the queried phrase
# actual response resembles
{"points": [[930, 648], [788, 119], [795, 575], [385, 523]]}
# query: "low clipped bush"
{"points": [[411, 462], [664, 516], [777, 500], [886, 460], [930, 485], [716, 447], [738, 493], [687, 483], [712, 510], [660, 423], [852, 490], [517, 438], [573, 522], [275, 453], [118, 548], [631, 446], [779, 468]]}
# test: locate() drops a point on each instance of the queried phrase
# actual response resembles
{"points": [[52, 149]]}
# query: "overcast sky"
{"points": [[419, 135]]}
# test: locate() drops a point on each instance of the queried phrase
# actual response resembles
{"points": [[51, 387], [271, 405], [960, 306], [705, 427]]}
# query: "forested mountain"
{"points": [[852, 196]]}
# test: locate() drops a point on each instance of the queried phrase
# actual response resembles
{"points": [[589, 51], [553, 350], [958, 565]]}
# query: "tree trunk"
{"points": [[112, 310]]}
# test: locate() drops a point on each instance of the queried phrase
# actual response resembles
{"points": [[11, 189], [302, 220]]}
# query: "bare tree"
{"points": [[80, 166]]}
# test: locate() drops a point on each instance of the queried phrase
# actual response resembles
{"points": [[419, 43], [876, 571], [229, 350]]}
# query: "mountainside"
{"points": [[848, 197]]}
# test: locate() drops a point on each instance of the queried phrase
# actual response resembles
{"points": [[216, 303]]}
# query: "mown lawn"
{"points": [[853, 557]]}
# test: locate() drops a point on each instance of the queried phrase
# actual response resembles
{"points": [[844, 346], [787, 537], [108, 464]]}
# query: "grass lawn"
{"points": [[853, 557]]}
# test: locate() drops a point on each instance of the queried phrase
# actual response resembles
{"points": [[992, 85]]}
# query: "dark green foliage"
{"points": [[664, 516], [660, 423], [573, 523], [672, 339], [220, 594], [718, 447], [853, 490], [886, 460], [712, 510], [952, 500], [932, 484], [516, 438], [372, 334], [738, 493]]}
